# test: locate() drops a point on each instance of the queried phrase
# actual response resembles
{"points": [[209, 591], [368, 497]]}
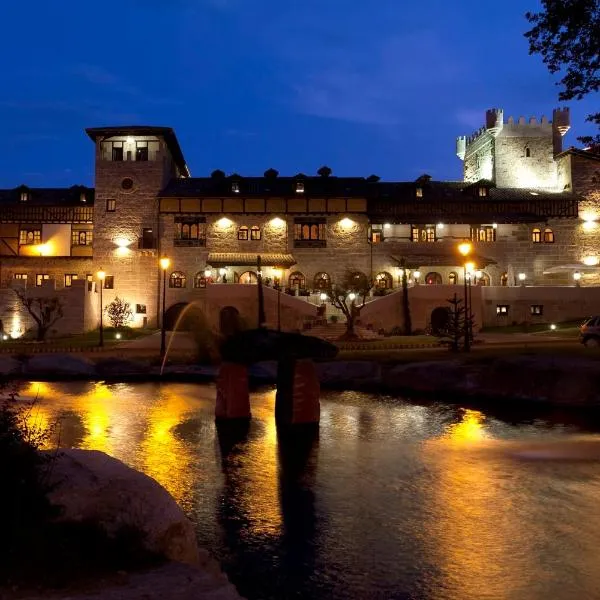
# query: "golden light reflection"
{"points": [[94, 410], [470, 429]]}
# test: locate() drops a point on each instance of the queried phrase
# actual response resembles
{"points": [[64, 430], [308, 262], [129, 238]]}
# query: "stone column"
{"points": [[233, 396], [298, 391]]}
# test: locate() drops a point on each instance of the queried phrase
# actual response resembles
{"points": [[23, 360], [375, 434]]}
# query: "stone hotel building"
{"points": [[530, 208]]}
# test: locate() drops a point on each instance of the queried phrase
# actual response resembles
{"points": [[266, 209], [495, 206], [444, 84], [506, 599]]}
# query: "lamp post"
{"points": [[577, 278], [101, 276], [465, 250], [164, 265]]}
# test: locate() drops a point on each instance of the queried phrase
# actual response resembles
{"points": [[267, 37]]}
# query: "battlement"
{"points": [[496, 125]]}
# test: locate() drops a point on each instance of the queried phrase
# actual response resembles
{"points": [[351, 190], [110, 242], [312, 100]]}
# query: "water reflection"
{"points": [[390, 500]]}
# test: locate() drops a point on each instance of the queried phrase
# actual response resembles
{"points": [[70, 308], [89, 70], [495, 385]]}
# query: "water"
{"points": [[394, 500]]}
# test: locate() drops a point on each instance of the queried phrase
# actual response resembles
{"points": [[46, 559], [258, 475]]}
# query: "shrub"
{"points": [[333, 319], [118, 312]]}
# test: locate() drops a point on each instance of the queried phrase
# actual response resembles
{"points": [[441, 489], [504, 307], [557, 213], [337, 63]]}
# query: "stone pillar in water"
{"points": [[298, 390], [233, 396]]}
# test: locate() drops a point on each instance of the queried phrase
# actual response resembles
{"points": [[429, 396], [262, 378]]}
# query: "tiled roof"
{"points": [[249, 259], [48, 196]]}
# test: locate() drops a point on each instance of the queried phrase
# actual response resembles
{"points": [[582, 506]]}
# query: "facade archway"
{"points": [[296, 281], [433, 278], [383, 281], [200, 280], [322, 281], [453, 278], [248, 277], [230, 321], [483, 278], [440, 318], [504, 279]]}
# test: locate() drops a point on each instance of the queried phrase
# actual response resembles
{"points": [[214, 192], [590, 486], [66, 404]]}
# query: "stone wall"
{"points": [[56, 268]]}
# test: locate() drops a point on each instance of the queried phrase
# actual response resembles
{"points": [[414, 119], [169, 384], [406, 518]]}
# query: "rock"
{"points": [[53, 365], [92, 486], [173, 581], [9, 365], [356, 372]]}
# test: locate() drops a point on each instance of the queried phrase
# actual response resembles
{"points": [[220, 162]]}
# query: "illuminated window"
{"points": [[243, 233], [111, 205], [109, 282], [536, 236], [24, 196], [502, 309], [322, 281], [69, 277], [297, 281], [419, 192], [177, 280], [82, 197], [255, 233], [482, 192], [20, 276], [483, 233], [384, 280], [81, 238], [299, 187], [548, 236], [190, 231], [90, 281], [504, 279], [235, 187], [29, 237], [453, 278], [537, 309], [310, 233], [420, 233], [141, 151], [41, 277], [376, 236]]}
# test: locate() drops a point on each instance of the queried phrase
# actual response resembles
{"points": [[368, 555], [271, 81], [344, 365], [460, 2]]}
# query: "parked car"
{"points": [[589, 333]]}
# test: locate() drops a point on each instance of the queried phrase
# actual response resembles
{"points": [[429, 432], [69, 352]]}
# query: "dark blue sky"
{"points": [[365, 87]]}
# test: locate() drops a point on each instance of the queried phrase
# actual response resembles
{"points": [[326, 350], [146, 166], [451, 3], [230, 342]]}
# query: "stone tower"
{"points": [[133, 164], [515, 154]]}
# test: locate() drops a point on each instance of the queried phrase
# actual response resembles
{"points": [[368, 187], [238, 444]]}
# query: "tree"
{"points": [[350, 297], [566, 33], [44, 311], [118, 312]]}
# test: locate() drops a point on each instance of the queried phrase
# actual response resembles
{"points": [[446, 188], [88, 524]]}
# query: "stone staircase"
{"points": [[333, 331]]}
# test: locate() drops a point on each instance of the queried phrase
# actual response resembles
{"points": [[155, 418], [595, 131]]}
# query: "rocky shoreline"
{"points": [[557, 381]]}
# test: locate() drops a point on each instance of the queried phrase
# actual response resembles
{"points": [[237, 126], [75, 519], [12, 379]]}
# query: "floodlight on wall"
{"points": [[222, 271], [522, 278], [386, 225], [352, 296], [346, 223], [277, 222], [224, 222], [591, 261]]}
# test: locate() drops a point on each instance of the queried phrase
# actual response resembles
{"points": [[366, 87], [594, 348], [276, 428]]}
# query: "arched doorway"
{"points": [[322, 281], [433, 278], [440, 318], [297, 281], [453, 278], [504, 279], [483, 278], [230, 322], [383, 281], [248, 277]]}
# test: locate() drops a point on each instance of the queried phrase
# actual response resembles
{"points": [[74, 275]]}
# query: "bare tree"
{"points": [[350, 297], [44, 311]]}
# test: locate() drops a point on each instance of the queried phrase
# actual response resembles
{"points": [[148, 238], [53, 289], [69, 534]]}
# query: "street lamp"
{"points": [[577, 278], [164, 265], [101, 276], [465, 249]]}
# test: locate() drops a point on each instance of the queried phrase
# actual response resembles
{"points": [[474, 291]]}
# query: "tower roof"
{"points": [[167, 133]]}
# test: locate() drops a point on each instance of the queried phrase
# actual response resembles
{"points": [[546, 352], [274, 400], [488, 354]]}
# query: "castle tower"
{"points": [[515, 153], [133, 164]]}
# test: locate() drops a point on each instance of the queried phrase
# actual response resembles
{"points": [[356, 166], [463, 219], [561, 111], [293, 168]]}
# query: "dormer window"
{"points": [[235, 187], [299, 187], [482, 192], [82, 197], [419, 192], [24, 196]]}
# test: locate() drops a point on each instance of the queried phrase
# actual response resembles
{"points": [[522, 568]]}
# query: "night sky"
{"points": [[378, 87]]}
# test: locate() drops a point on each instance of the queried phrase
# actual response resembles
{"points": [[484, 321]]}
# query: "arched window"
{"points": [[322, 281], [482, 279], [200, 280], [243, 233], [248, 277], [453, 278], [433, 278], [548, 236], [255, 232], [177, 279], [536, 235], [504, 279], [383, 281], [358, 280], [297, 281]]}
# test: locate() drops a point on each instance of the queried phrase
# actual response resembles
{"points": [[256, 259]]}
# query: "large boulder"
{"points": [[56, 365], [93, 487]]}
